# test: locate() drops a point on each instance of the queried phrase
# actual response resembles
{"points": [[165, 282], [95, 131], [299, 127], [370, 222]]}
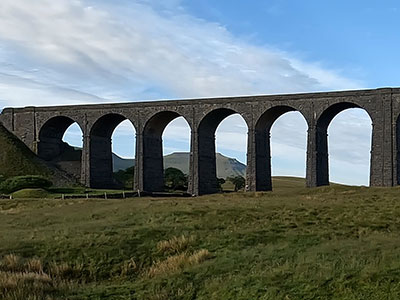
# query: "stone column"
{"points": [[193, 184], [396, 150], [311, 162], [263, 160], [101, 167], [382, 157], [317, 170], [138, 176], [153, 169], [85, 161], [251, 168], [207, 171]]}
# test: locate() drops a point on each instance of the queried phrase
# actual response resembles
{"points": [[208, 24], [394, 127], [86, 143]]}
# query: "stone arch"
{"points": [[321, 138], [153, 163], [262, 138], [51, 133], [100, 150], [206, 166]]}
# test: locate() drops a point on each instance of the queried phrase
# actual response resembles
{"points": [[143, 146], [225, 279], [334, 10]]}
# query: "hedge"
{"points": [[17, 183]]}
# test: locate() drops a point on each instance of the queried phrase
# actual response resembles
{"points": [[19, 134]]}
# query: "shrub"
{"points": [[22, 182], [220, 182], [238, 181], [175, 179], [125, 177], [30, 193]]}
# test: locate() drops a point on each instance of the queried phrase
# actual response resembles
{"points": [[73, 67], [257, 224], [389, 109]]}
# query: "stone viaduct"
{"points": [[42, 130]]}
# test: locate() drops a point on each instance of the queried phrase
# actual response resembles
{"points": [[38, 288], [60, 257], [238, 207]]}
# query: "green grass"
{"points": [[17, 159], [334, 242]]}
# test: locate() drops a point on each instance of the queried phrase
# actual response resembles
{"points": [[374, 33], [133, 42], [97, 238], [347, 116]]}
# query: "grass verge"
{"points": [[334, 242]]}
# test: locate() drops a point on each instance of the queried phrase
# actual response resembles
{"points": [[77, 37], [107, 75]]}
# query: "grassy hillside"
{"points": [[17, 159], [294, 243]]}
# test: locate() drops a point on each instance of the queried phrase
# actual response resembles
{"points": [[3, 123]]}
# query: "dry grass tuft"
{"points": [[199, 256], [176, 263], [34, 265], [175, 244], [26, 279], [12, 280], [11, 262]]}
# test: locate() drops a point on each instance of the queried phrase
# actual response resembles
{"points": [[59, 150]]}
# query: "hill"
{"points": [[226, 166], [335, 242], [121, 164], [17, 159]]}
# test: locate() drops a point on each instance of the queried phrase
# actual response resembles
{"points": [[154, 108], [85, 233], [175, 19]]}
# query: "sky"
{"points": [[55, 52]]}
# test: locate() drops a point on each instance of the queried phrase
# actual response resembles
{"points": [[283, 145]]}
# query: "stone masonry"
{"points": [[42, 129]]}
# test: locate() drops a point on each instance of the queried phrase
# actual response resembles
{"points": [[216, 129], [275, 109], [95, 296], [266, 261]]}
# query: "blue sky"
{"points": [[359, 38], [90, 51]]}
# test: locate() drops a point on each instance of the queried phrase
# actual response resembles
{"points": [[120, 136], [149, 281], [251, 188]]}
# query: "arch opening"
{"points": [[123, 145], [176, 155], [103, 161], [164, 125], [60, 143], [274, 121], [345, 152], [231, 149], [289, 148], [207, 169], [50, 143]]}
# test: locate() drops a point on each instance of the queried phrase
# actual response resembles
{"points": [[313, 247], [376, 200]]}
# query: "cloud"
{"points": [[132, 43], [76, 51], [20, 91]]}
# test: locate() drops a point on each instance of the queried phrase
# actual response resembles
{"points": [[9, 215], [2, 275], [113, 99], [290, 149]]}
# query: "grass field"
{"points": [[333, 242]]}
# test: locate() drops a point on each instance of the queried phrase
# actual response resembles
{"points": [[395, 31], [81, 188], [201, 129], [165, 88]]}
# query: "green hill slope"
{"points": [[17, 159]]}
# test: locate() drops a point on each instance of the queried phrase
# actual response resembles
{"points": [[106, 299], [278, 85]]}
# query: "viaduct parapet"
{"points": [[42, 130]]}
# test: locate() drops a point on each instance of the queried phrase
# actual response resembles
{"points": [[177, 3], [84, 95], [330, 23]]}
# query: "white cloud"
{"points": [[20, 91], [76, 51], [133, 43]]}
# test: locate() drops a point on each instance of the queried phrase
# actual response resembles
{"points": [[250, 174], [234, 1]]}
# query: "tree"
{"points": [[125, 177], [220, 182], [174, 179], [238, 181]]}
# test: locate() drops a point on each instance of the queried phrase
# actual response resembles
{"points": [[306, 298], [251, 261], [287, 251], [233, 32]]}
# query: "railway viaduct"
{"points": [[42, 130]]}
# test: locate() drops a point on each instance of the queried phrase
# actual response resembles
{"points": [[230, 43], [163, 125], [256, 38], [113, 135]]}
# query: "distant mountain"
{"points": [[226, 166], [120, 163]]}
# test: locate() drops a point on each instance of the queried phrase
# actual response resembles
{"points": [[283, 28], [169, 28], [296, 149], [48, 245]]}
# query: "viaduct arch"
{"points": [[42, 129]]}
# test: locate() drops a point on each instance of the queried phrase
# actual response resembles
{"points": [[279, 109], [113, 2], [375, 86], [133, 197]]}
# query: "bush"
{"points": [[30, 194], [23, 182], [125, 177], [174, 179], [220, 182], [238, 181]]}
